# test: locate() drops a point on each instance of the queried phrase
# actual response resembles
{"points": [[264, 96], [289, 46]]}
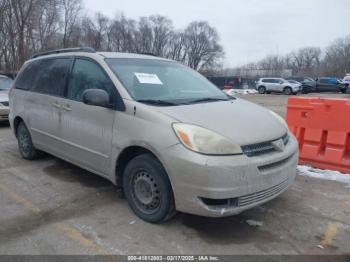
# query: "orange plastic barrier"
{"points": [[322, 127]]}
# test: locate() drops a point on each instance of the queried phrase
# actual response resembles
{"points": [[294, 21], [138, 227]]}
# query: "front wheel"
{"points": [[287, 91], [262, 90], [148, 190]]}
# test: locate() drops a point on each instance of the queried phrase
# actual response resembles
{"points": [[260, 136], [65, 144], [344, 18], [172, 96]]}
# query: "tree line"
{"points": [[334, 60], [32, 26]]}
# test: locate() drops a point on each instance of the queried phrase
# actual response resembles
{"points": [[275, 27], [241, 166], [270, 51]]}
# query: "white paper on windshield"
{"points": [[145, 78]]}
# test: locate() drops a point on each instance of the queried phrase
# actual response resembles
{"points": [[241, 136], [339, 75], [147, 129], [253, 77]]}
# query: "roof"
{"points": [[128, 55], [90, 52]]}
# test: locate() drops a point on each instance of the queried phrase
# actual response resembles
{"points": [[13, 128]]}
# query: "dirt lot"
{"points": [[52, 207]]}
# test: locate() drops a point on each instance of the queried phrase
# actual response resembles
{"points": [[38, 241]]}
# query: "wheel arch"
{"points": [[126, 155]]}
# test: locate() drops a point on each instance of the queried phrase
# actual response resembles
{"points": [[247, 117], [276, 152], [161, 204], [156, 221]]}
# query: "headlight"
{"points": [[279, 118], [204, 141]]}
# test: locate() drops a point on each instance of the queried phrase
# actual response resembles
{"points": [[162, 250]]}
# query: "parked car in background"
{"points": [[346, 80], [5, 85], [294, 82], [279, 85], [308, 84], [155, 128], [329, 84]]}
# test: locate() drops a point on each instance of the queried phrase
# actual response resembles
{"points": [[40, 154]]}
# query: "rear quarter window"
{"points": [[52, 76], [27, 75]]}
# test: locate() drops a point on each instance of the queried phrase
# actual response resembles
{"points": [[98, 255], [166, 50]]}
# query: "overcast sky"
{"points": [[249, 29]]}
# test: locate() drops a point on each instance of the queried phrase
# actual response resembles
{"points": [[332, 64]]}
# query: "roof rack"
{"points": [[147, 53], [65, 50]]}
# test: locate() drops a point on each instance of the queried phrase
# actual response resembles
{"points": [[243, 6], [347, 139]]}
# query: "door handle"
{"points": [[56, 104], [67, 107]]}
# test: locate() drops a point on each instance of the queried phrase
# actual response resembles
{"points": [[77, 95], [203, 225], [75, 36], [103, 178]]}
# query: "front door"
{"points": [[87, 130]]}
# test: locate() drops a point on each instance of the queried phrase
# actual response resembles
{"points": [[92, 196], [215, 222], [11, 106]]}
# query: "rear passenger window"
{"points": [[52, 76], [88, 75], [27, 75]]}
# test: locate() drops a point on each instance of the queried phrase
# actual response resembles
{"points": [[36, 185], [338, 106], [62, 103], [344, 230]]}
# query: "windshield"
{"points": [[164, 82], [5, 83], [308, 79]]}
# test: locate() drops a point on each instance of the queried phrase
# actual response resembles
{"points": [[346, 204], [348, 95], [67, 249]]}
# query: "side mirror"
{"points": [[96, 97], [281, 82]]}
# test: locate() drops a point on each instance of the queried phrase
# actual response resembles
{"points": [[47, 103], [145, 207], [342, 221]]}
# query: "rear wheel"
{"points": [[262, 90], [25, 144], [287, 91], [148, 190]]}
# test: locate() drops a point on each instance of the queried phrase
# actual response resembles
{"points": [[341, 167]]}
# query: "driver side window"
{"points": [[87, 75]]}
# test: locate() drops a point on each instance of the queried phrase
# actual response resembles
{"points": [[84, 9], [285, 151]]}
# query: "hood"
{"points": [[4, 96], [238, 120]]}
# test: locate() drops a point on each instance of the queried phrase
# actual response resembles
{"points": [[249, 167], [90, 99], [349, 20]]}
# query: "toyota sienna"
{"points": [[161, 132]]}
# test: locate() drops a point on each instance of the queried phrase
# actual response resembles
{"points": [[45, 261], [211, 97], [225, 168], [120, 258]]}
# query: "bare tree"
{"points": [[29, 26], [176, 47], [122, 35], [71, 11], [20, 11], [47, 23], [305, 60], [202, 45], [153, 34], [96, 32], [337, 58]]}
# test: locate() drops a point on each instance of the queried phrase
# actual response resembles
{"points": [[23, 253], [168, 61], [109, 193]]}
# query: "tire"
{"points": [[261, 90], [25, 144], [287, 91], [148, 190]]}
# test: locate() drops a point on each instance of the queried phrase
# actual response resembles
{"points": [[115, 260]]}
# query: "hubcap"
{"points": [[145, 192]]}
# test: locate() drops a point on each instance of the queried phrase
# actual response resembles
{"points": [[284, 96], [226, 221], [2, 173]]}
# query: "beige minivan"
{"points": [[155, 128]]}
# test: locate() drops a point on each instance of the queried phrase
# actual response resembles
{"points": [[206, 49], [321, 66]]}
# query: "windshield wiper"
{"points": [[209, 99], [157, 102]]}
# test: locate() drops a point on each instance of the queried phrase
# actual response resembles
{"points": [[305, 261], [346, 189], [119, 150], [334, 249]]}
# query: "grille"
{"points": [[5, 103], [262, 148], [259, 196], [277, 164]]}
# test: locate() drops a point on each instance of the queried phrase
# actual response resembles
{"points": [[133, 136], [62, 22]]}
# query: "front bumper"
{"points": [[4, 113], [219, 186]]}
